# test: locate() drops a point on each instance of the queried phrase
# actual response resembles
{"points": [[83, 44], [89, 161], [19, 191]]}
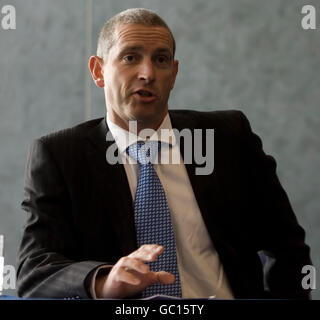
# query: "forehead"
{"points": [[136, 34]]}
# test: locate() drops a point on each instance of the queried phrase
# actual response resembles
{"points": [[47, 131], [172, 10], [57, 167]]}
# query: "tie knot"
{"points": [[144, 152]]}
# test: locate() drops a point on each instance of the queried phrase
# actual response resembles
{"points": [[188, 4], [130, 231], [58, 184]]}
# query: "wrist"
{"points": [[99, 282]]}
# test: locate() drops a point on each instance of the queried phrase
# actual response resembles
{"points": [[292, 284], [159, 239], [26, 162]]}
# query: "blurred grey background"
{"points": [[251, 55]]}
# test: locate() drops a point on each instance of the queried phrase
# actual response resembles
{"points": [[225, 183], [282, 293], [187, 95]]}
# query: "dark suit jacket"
{"points": [[80, 211]]}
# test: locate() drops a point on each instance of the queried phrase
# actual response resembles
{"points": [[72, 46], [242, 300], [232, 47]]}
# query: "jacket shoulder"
{"points": [[224, 120], [75, 133]]}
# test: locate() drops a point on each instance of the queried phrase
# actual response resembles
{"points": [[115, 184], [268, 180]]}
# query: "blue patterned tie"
{"points": [[152, 217]]}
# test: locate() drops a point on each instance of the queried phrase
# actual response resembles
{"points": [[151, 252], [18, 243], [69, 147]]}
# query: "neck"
{"points": [[142, 124]]}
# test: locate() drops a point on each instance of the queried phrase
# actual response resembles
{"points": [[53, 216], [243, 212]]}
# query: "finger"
{"points": [[125, 276], [165, 277], [147, 252], [129, 263]]}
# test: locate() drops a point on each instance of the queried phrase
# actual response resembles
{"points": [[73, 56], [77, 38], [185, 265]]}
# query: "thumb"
{"points": [[165, 277]]}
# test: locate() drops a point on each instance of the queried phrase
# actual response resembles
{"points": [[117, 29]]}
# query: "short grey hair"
{"points": [[131, 16]]}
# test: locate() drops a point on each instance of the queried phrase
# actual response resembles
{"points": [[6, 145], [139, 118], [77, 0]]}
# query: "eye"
{"points": [[162, 59], [129, 58]]}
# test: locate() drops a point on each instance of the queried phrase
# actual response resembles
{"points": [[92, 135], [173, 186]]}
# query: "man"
{"points": [[82, 234]]}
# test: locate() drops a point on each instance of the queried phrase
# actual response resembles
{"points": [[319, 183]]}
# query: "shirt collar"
{"points": [[124, 138]]}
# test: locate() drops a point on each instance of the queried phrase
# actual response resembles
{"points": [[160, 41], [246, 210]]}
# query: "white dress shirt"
{"points": [[200, 269]]}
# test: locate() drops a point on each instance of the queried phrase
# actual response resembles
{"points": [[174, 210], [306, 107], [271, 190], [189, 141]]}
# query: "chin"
{"points": [[144, 113]]}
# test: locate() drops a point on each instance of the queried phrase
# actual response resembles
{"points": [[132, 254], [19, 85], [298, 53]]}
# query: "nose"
{"points": [[146, 71]]}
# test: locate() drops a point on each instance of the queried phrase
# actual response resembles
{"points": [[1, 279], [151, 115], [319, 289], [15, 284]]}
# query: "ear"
{"points": [[96, 68], [175, 72]]}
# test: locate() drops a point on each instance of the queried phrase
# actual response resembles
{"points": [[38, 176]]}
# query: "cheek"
{"points": [[167, 84], [122, 84], [168, 79], [115, 87]]}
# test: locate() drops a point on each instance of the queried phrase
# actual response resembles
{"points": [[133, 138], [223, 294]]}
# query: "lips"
{"points": [[145, 95]]}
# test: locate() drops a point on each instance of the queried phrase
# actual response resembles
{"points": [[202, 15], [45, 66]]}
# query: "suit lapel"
{"points": [[113, 185], [204, 186], [180, 121]]}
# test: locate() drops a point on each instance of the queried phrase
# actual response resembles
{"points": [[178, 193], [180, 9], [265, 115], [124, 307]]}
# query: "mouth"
{"points": [[144, 95]]}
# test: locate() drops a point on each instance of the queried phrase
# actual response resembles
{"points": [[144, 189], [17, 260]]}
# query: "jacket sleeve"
{"points": [[46, 264], [277, 231]]}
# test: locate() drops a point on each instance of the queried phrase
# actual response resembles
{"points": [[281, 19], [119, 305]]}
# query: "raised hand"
{"points": [[130, 275]]}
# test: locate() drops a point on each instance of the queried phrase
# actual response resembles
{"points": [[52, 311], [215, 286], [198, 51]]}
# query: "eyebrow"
{"points": [[140, 48]]}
